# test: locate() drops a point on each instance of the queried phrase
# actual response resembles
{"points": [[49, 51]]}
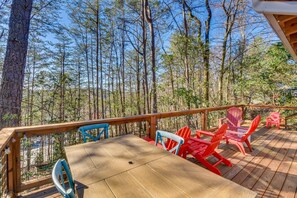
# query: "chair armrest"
{"points": [[199, 133], [233, 132], [242, 129], [222, 121], [240, 122], [199, 140]]}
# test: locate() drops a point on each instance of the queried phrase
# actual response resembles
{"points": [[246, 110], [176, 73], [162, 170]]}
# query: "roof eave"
{"points": [[269, 9], [278, 30]]}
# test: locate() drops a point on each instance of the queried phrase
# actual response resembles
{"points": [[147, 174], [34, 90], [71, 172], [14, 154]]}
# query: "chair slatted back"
{"points": [[234, 115], [275, 116], [164, 134], [84, 131], [184, 132], [58, 179]]}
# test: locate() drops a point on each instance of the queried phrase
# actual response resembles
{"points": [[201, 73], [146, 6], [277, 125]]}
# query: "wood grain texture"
{"points": [[120, 186], [184, 174], [131, 167], [155, 183], [99, 189], [95, 161]]}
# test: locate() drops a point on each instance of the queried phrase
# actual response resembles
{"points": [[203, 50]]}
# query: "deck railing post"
{"points": [[17, 160], [204, 120], [10, 171], [153, 127], [14, 169]]}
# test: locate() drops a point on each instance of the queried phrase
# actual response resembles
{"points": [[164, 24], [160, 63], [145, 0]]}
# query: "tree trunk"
{"points": [[123, 60], [186, 61], [42, 106], [88, 74], [97, 60], [206, 54], [222, 67], [101, 72], [14, 63], [93, 81], [62, 86], [230, 12], [79, 91], [145, 79], [32, 86], [149, 20]]}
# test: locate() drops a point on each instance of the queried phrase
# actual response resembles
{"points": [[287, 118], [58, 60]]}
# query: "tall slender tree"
{"points": [[207, 53], [150, 21], [14, 63]]}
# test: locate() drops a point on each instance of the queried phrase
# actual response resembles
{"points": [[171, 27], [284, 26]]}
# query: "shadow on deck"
{"points": [[270, 170]]}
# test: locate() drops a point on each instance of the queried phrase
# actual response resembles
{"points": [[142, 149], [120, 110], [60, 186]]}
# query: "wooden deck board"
{"points": [[242, 161], [236, 157], [290, 184], [280, 175], [250, 160], [259, 168], [270, 170]]}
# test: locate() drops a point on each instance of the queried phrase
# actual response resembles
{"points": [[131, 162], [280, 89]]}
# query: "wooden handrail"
{"points": [[7, 133], [67, 126], [271, 107], [289, 117]]}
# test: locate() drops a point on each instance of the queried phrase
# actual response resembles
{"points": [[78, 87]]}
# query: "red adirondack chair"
{"points": [[202, 149], [233, 118], [184, 132], [273, 119], [239, 137]]}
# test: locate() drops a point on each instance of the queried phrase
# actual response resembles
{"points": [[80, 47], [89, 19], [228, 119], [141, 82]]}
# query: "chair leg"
{"points": [[183, 151], [208, 165], [239, 145], [224, 160], [248, 144]]}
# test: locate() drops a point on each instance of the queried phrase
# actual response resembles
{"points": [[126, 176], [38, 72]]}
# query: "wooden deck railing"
{"points": [[16, 140]]}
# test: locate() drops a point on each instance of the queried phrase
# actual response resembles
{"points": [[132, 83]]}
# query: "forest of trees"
{"points": [[92, 59]]}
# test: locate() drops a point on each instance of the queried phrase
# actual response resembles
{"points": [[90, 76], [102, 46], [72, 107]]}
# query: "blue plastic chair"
{"points": [[163, 134], [83, 130], [58, 179]]}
